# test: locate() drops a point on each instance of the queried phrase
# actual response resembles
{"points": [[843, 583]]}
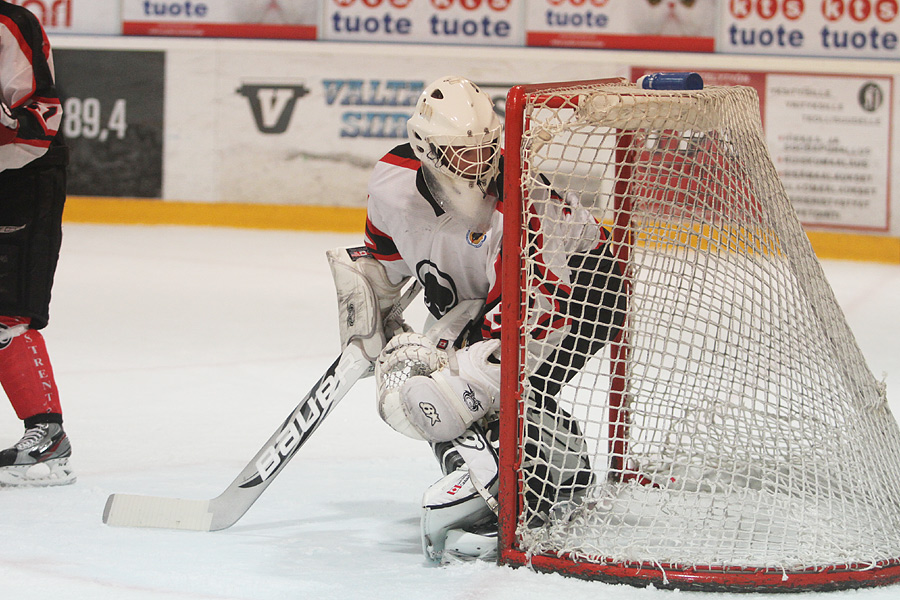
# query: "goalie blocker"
{"points": [[366, 298]]}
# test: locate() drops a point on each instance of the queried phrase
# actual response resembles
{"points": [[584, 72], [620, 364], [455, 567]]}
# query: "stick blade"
{"points": [[129, 510]]}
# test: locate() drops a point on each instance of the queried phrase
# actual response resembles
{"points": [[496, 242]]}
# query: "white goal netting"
{"points": [[733, 423]]}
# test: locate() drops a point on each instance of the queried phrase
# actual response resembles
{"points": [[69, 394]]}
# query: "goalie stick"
{"points": [[223, 511]]}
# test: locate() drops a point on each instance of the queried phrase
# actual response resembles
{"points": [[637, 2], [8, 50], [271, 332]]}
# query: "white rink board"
{"points": [[354, 111], [326, 111]]}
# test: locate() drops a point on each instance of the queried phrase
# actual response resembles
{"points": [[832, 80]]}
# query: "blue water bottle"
{"points": [[671, 81]]}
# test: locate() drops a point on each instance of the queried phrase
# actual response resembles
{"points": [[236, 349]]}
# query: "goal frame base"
{"points": [[709, 579]]}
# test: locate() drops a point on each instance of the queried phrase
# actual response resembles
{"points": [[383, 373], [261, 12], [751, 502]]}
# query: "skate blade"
{"points": [[464, 546], [45, 474]]}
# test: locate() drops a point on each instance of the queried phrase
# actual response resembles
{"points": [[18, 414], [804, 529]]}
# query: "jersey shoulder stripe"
{"points": [[380, 244], [402, 156]]}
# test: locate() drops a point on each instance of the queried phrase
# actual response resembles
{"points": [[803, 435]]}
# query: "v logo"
{"points": [[272, 105]]}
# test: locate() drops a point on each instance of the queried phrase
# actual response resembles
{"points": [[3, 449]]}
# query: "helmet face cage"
{"points": [[474, 158]]}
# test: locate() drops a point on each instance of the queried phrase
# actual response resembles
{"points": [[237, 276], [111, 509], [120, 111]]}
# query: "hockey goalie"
{"points": [[435, 213]]}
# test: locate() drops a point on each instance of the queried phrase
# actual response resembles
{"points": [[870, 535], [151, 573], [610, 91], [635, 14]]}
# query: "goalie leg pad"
{"points": [[449, 504], [477, 543], [464, 499]]}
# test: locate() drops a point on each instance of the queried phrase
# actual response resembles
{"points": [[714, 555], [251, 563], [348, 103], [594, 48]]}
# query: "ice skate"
{"points": [[40, 458], [476, 542]]}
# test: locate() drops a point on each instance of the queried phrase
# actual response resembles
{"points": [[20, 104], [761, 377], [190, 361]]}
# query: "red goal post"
{"points": [[734, 400]]}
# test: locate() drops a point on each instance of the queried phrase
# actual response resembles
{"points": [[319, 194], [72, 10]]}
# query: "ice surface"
{"points": [[179, 350]]}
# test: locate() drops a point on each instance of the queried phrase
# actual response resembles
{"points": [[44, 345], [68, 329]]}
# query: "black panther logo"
{"points": [[440, 291]]}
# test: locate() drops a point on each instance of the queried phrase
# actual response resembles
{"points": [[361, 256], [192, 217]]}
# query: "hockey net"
{"points": [[736, 438]]}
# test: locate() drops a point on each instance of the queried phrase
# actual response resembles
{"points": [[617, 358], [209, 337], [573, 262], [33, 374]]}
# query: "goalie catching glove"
{"points": [[429, 394]]}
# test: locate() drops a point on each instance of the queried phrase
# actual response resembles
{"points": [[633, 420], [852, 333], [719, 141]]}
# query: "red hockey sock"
{"points": [[26, 373]]}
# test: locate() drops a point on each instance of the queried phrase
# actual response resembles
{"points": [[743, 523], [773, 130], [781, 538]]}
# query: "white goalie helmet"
{"points": [[455, 133]]}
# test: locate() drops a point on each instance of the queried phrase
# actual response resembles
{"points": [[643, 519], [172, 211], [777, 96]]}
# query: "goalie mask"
{"points": [[455, 133]]}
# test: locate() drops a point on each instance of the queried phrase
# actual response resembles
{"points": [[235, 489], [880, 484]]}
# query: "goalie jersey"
{"points": [[412, 236]]}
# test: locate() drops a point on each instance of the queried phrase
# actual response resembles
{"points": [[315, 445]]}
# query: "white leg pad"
{"points": [[451, 503], [465, 546], [463, 498]]}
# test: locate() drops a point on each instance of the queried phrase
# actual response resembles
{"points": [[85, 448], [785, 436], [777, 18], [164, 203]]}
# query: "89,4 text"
{"points": [[84, 118]]}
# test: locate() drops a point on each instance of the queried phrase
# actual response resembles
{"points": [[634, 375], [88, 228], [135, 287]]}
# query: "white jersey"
{"points": [[413, 237], [30, 110]]}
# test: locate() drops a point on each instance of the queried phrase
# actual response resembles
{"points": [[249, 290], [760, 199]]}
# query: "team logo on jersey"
{"points": [[476, 239], [272, 104], [440, 291]]}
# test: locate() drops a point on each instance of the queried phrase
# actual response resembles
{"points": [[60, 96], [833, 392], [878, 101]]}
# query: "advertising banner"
{"points": [[488, 22], [829, 137], [113, 120], [101, 17], [676, 25], [275, 19], [828, 28], [306, 126]]}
